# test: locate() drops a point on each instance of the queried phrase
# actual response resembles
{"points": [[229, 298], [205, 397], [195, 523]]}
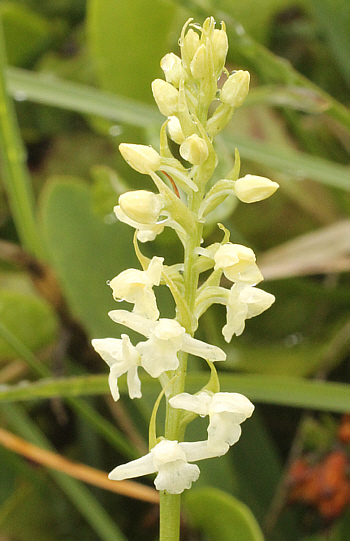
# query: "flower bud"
{"points": [[140, 157], [220, 47], [190, 44], [173, 70], [141, 206], [235, 89], [194, 150], [252, 188], [198, 65], [166, 97], [175, 131]]}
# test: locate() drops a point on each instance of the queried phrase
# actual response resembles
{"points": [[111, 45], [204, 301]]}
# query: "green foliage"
{"points": [[27, 33], [88, 68], [30, 318], [221, 516], [127, 40], [85, 251]]}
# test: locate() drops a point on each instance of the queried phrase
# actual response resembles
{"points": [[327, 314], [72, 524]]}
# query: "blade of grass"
{"points": [[279, 390], [299, 165], [16, 177], [101, 425], [79, 495], [48, 89]]}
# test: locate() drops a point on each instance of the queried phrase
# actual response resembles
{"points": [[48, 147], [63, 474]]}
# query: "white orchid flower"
{"points": [[135, 286], [166, 338], [244, 302], [122, 357], [226, 412], [145, 232], [237, 263], [170, 460]]}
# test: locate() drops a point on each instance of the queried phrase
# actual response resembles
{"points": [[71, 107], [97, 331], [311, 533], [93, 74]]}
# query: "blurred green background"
{"points": [[75, 82]]}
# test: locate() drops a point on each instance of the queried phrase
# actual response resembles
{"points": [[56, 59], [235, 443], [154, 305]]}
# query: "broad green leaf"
{"points": [[127, 41], [30, 319], [107, 186], [279, 390], [85, 252], [221, 516], [26, 32]]}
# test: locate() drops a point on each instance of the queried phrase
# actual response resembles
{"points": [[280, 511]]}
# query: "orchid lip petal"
{"points": [[199, 450], [135, 468]]}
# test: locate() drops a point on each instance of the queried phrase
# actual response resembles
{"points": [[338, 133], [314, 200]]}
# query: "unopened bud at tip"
{"points": [[252, 188]]}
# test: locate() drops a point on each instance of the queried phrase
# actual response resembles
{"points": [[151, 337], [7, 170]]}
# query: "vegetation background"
{"points": [[75, 82]]}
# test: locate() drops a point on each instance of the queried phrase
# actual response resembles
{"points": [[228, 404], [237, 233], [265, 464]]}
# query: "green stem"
{"points": [[170, 504], [169, 523], [15, 173]]}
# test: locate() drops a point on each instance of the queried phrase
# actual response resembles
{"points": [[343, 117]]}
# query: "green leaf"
{"points": [[127, 41], [297, 164], [26, 32], [279, 390], [30, 319], [51, 90], [221, 516], [85, 252]]}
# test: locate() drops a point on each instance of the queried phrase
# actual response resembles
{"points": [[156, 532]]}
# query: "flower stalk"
{"points": [[183, 204]]}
